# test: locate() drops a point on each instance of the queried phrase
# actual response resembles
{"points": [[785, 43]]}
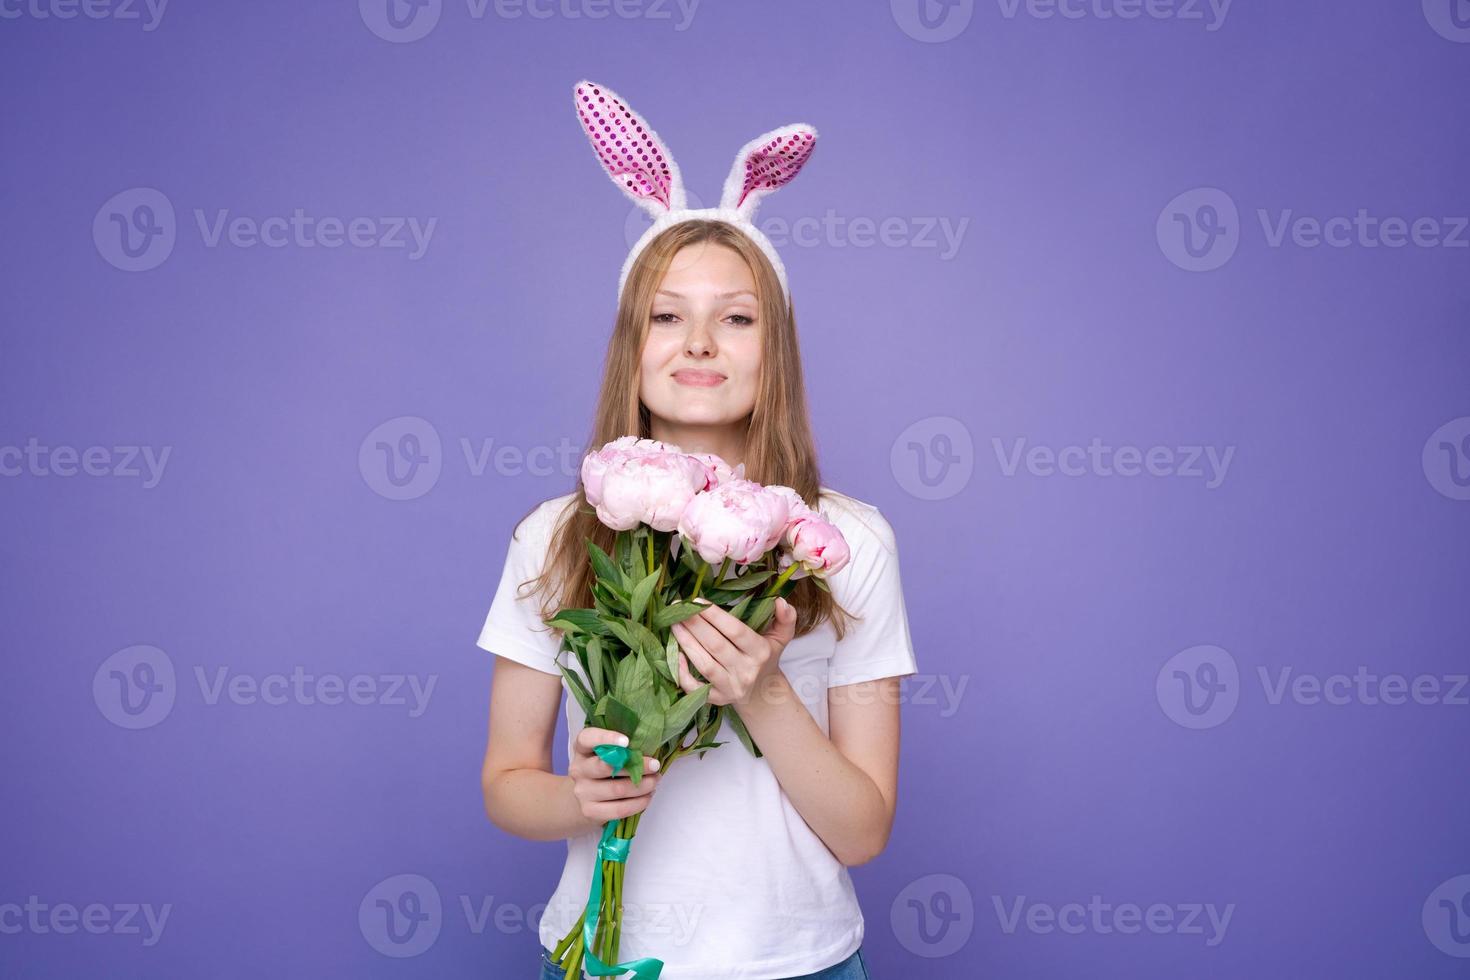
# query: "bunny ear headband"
{"points": [[639, 162]]}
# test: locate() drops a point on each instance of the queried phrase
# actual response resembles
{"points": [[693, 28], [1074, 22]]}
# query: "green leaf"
{"points": [[650, 647], [675, 613], [689, 558], [634, 685], [748, 580], [632, 560], [641, 594], [618, 627], [634, 768], [741, 731], [738, 610], [820, 583], [760, 613], [595, 665], [671, 657], [649, 735], [579, 690], [620, 717], [606, 569], [683, 712], [609, 600], [577, 621]]}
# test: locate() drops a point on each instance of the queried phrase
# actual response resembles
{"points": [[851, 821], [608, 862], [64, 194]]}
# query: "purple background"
{"points": [[1058, 771]]}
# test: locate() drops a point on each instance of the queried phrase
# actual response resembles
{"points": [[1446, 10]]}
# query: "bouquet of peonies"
{"points": [[688, 527]]}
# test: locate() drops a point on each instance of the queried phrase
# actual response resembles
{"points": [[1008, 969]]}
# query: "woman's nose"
{"points": [[700, 339]]}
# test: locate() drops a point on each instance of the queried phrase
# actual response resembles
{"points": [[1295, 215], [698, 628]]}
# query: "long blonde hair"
{"points": [[779, 448]]}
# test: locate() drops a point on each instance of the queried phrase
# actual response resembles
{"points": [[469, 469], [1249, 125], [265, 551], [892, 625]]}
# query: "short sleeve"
{"points": [[513, 628], [878, 644]]}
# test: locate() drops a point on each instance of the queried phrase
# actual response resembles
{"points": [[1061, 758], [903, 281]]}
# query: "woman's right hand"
{"points": [[605, 799]]}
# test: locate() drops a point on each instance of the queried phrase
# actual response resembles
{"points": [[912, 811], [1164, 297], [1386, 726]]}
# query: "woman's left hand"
{"points": [[734, 657]]}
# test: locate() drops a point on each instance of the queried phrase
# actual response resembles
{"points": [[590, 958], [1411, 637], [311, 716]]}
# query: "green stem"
{"points": [[566, 943], [573, 965], [699, 578], [781, 579]]}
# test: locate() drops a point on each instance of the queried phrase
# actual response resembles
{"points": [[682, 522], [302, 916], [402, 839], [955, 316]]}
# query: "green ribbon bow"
{"points": [[611, 848]]}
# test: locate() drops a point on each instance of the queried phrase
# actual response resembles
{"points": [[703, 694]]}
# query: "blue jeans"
{"points": [[852, 968]]}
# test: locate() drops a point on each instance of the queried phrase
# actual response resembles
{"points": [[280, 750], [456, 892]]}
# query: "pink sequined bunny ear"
{"points": [[630, 151], [766, 163]]}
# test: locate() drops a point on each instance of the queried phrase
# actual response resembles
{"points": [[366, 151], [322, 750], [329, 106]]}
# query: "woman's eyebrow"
{"points": [[738, 292]]}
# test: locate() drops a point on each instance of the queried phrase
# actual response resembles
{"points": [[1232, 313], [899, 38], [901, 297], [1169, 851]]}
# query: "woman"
{"points": [[740, 868]]}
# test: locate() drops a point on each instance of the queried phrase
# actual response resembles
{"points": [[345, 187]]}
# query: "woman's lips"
{"points": [[699, 379]]}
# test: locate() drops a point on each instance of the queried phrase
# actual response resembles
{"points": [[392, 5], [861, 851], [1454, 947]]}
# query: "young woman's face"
{"points": [[702, 359]]}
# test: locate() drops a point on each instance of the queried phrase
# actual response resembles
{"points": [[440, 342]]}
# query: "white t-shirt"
{"points": [[724, 878]]}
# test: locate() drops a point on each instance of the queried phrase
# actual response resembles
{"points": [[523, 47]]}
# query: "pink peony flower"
{"points": [[740, 520], [817, 544], [595, 464], [719, 470], [652, 488], [809, 538]]}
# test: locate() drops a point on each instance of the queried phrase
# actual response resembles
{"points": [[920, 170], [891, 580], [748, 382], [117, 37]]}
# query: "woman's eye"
{"points": [[663, 318], [741, 319]]}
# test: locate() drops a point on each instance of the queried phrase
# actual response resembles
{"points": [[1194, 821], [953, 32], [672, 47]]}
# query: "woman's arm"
{"points": [[845, 786], [522, 794]]}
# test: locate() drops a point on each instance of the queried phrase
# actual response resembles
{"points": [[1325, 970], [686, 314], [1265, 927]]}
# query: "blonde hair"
{"points": [[779, 448]]}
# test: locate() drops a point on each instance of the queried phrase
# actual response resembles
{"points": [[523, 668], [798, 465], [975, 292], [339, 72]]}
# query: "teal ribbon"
{"points": [[611, 848]]}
